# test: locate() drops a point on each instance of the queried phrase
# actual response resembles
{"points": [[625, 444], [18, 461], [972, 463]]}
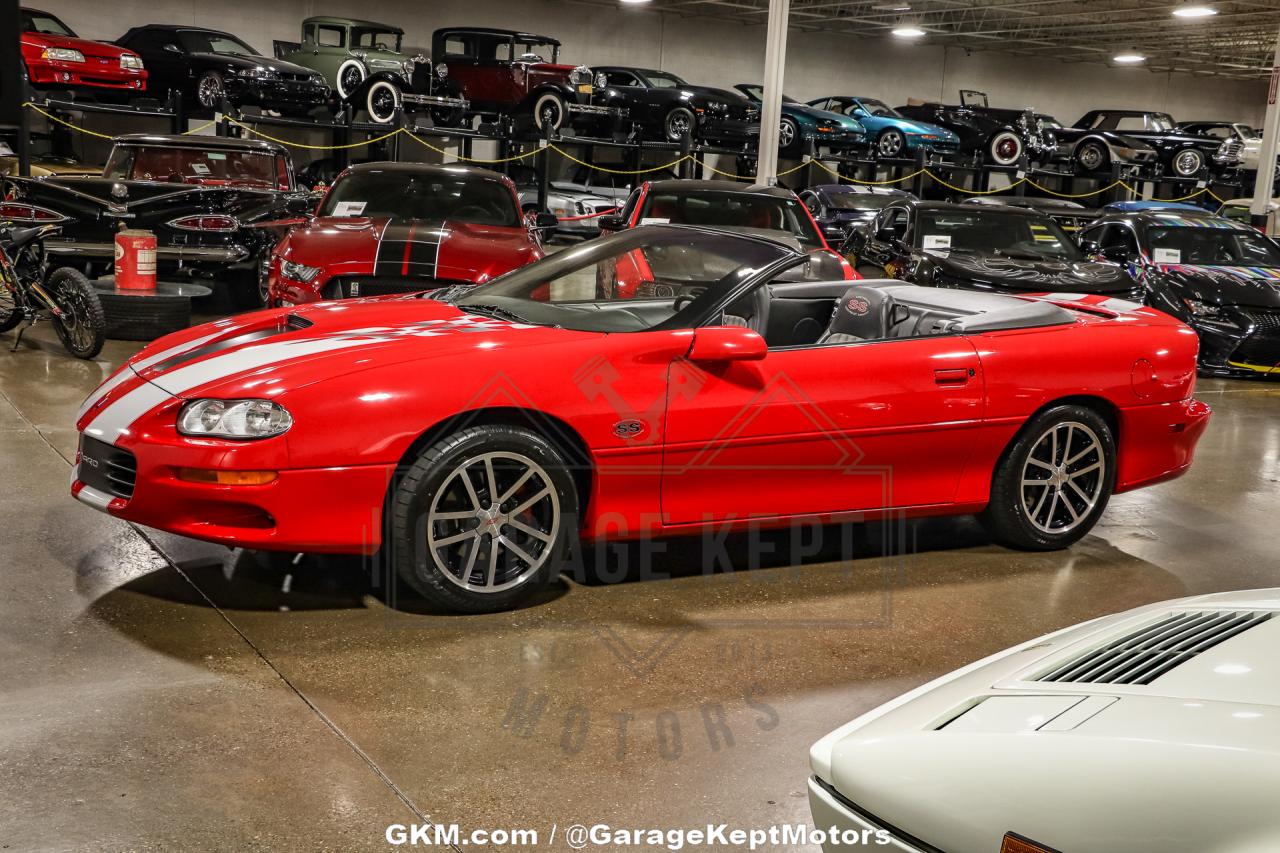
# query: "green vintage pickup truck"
{"points": [[369, 68]]}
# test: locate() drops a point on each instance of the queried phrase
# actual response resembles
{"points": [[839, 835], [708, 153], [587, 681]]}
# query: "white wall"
{"points": [[721, 53]]}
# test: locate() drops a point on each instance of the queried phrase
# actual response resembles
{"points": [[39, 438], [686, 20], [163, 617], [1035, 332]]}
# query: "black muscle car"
{"points": [[978, 247], [662, 106], [200, 195], [1182, 154], [1219, 276], [208, 66], [1002, 136], [1094, 150]]}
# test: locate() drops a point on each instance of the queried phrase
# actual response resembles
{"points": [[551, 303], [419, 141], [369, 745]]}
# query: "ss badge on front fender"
{"points": [[629, 428]]}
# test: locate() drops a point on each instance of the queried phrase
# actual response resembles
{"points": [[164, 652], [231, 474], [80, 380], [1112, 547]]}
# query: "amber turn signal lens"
{"points": [[226, 478], [1018, 844]]}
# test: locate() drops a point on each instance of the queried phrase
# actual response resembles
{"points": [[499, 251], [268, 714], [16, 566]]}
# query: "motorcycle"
{"points": [[30, 292]]}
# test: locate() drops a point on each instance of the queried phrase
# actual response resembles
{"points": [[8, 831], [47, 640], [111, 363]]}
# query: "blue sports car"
{"points": [[1132, 206], [893, 134], [829, 130]]}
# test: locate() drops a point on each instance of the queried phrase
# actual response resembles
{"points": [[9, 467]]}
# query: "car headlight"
{"points": [[442, 71], [602, 82], [717, 106], [298, 272], [1203, 309], [257, 73], [62, 54], [131, 62], [580, 75], [234, 418]]}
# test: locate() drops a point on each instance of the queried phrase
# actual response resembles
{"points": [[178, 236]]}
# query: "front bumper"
{"points": [[269, 93], [832, 812], [89, 74], [1245, 345], [412, 100], [323, 510], [721, 129]]}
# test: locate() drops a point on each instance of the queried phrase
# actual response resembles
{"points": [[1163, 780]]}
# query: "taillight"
{"points": [[206, 222], [28, 213]]}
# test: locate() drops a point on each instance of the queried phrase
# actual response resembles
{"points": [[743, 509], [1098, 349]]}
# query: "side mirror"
{"points": [[1116, 254], [545, 219], [727, 343], [1090, 247], [172, 48], [887, 235], [612, 222]]}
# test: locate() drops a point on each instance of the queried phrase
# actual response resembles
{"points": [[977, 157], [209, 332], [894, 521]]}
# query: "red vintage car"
{"points": [[57, 58], [399, 227], [472, 436]]}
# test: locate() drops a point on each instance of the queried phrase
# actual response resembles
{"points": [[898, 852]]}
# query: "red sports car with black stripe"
{"points": [[400, 227]]}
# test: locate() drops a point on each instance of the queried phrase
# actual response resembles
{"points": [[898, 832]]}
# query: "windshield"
{"points": [[203, 41], [663, 80], [756, 93], [197, 166], [858, 201], [374, 39], [43, 22], [628, 282], [879, 108], [1209, 245], [404, 194], [1162, 122], [995, 232], [721, 209]]}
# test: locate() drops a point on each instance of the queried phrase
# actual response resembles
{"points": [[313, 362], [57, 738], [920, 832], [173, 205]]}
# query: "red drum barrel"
{"points": [[135, 260]]}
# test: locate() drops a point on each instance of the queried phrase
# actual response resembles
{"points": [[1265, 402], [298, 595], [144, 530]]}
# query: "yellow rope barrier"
{"points": [[853, 180], [208, 124], [716, 171], [478, 160], [1109, 186], [572, 159], [53, 117], [262, 135]]}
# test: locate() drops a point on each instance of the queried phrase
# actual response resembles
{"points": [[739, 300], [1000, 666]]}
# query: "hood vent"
{"points": [[1148, 653]]}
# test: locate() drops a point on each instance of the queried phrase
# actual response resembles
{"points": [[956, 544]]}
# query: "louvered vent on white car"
{"points": [[1148, 653]]}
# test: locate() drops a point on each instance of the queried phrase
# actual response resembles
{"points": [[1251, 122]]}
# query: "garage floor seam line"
{"points": [[324, 718], [34, 428]]}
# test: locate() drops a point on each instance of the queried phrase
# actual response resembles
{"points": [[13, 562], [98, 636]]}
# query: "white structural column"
{"points": [[775, 58], [1270, 146]]}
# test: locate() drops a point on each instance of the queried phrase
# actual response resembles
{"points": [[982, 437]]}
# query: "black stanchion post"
{"points": [[393, 146], [1024, 169], [686, 149], [1113, 194], [544, 168], [917, 183], [24, 130]]}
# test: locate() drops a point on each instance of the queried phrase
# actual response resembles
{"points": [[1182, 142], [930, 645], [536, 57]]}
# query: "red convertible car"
{"points": [[57, 58], [471, 435], [397, 227]]}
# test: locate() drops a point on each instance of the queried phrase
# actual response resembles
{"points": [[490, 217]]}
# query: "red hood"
{"points": [[447, 250], [85, 46]]}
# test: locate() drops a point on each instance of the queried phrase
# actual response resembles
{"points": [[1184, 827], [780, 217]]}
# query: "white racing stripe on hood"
{"points": [[126, 373], [115, 420]]}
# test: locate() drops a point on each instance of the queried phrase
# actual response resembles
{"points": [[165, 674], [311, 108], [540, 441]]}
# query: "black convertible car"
{"points": [[1185, 155], [207, 66], [979, 247], [200, 195], [663, 106], [1219, 276], [1002, 136]]}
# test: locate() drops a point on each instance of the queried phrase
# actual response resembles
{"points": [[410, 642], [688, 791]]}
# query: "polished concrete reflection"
{"points": [[161, 693]]}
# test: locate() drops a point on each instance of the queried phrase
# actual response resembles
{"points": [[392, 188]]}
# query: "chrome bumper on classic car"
{"points": [[207, 254]]}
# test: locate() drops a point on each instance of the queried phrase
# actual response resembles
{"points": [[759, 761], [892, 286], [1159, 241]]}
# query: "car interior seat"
{"points": [[864, 313]]}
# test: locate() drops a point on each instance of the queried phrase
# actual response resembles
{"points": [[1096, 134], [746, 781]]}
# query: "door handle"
{"points": [[953, 375]]}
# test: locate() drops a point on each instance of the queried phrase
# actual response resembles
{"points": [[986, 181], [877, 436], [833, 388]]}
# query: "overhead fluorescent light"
{"points": [[907, 31], [632, 2], [1129, 58], [1193, 10]]}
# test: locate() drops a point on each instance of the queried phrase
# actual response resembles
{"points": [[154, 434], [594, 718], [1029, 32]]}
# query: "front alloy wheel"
{"points": [[788, 134], [211, 90], [679, 123], [891, 143]]}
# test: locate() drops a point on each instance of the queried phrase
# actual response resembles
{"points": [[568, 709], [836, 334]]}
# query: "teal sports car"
{"points": [[893, 134], [800, 123]]}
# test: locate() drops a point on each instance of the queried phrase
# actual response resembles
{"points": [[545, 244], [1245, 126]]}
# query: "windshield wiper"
{"points": [[494, 311]]}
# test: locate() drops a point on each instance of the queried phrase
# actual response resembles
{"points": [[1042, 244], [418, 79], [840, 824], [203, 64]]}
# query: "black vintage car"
{"points": [[1183, 155], [1093, 150], [1000, 135], [1219, 276], [663, 106], [200, 195], [208, 67], [977, 247]]}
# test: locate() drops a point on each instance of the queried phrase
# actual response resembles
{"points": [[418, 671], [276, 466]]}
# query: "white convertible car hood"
{"points": [[1155, 729]]}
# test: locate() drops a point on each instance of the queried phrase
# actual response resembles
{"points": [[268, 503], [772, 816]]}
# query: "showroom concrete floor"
{"points": [[165, 694]]}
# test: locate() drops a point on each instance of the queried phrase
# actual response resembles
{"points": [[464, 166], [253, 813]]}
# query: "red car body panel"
{"points": [[101, 68], [761, 442]]}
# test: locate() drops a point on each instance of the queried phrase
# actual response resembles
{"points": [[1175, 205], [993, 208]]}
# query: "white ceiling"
{"points": [[1237, 42]]}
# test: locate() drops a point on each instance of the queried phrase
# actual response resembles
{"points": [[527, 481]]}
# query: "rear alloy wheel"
{"points": [[548, 111], [483, 518], [1093, 157], [1188, 162], [211, 91], [1005, 148], [350, 75], [788, 135], [891, 142], [382, 102], [678, 124], [1053, 482]]}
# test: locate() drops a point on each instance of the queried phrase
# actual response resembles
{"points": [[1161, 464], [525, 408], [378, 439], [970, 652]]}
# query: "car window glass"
{"points": [[203, 41], [181, 165], [375, 39], [41, 22], [994, 232], [747, 211], [620, 78], [1126, 123], [400, 194], [1119, 237], [1207, 245], [331, 36], [459, 46], [663, 80]]}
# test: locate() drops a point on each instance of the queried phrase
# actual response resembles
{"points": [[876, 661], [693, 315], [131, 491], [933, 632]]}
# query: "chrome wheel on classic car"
{"points": [[482, 516], [1005, 148], [1092, 157], [1188, 163]]}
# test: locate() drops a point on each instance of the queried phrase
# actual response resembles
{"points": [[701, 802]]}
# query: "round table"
{"points": [[144, 315]]}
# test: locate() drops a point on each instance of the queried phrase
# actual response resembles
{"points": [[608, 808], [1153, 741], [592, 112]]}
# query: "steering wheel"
{"points": [[470, 212]]}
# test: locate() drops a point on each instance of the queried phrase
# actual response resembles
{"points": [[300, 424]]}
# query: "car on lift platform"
{"points": [[1183, 155], [1001, 136], [662, 106], [801, 123], [892, 133], [56, 58]]}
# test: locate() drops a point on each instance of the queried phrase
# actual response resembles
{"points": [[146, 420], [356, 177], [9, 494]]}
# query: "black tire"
{"points": [[211, 90], [1093, 156], [381, 102], [549, 108], [1023, 517], [350, 75], [144, 318], [433, 484], [82, 327], [10, 316], [677, 123], [789, 137], [891, 143], [1187, 163]]}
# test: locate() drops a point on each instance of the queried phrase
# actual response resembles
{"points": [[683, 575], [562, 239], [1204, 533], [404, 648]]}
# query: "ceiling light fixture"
{"points": [[1194, 10], [906, 28], [632, 2], [1130, 58]]}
